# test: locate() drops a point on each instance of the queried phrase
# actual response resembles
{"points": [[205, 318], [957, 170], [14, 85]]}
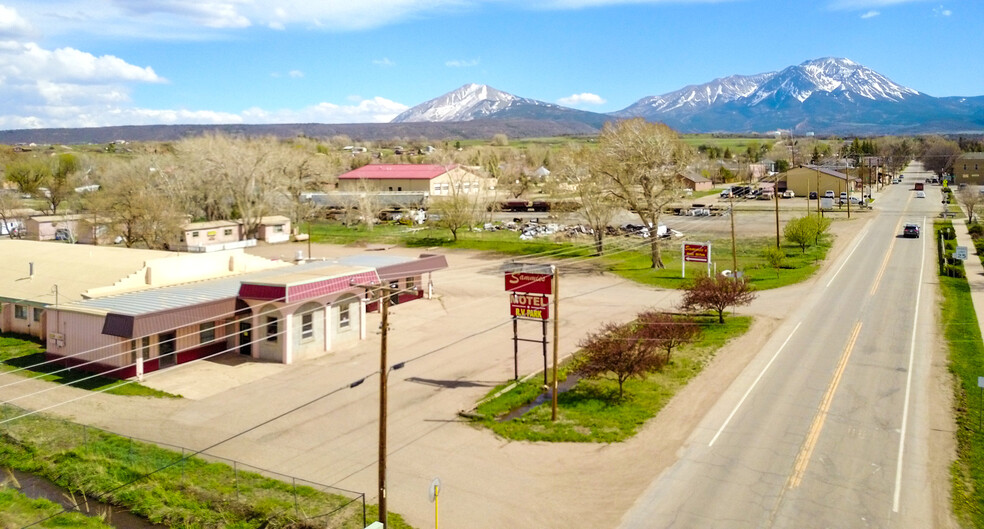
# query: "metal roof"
{"points": [[393, 171]]}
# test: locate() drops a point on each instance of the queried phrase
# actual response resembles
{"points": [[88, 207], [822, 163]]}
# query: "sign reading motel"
{"points": [[529, 306], [529, 283]]}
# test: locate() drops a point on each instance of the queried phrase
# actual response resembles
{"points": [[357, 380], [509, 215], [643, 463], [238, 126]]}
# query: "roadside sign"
{"points": [[529, 306], [434, 490], [696, 252], [960, 253], [980, 382], [529, 283]]}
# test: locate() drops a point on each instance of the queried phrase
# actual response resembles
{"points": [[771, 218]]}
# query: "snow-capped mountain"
{"points": [[792, 86], [826, 96], [475, 101]]}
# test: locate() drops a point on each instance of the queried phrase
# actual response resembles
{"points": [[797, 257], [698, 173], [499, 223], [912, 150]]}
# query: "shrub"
{"points": [[975, 230]]}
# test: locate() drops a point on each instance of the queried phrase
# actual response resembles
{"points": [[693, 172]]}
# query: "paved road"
{"points": [[827, 427]]}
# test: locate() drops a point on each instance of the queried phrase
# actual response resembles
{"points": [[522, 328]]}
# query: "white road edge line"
{"points": [[908, 382], [749, 390], [848, 258]]}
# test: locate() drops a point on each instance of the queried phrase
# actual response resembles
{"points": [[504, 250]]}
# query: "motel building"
{"points": [[265, 310]]}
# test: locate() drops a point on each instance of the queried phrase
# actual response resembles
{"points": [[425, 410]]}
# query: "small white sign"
{"points": [[960, 253], [980, 382]]}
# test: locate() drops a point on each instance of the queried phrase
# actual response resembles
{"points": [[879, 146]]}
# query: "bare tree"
{"points": [[575, 168], [639, 162], [939, 155], [245, 170], [134, 203], [970, 197], [10, 203], [717, 293]]}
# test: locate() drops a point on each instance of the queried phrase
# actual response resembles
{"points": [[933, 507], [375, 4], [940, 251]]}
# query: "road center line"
{"points": [[884, 265], [803, 459], [752, 387], [908, 381]]}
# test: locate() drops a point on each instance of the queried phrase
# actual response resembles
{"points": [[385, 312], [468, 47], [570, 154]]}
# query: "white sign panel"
{"points": [[960, 253]]}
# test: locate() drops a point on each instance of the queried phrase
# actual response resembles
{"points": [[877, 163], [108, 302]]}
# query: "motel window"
{"points": [[467, 187], [271, 328], [444, 189], [194, 234], [133, 351], [278, 228], [227, 232], [20, 312], [145, 347], [410, 283], [307, 326], [37, 314], [437, 189], [343, 315], [206, 332]]}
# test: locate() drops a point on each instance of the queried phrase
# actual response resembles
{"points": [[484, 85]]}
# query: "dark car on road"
{"points": [[911, 231], [813, 195]]}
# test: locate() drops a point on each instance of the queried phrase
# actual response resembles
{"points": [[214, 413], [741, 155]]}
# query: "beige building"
{"points": [[810, 178], [436, 180], [84, 229], [38, 275], [969, 168]]}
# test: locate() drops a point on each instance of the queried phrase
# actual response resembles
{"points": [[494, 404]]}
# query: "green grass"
{"points": [[26, 355], [176, 493], [591, 411], [966, 362], [18, 510], [625, 256]]}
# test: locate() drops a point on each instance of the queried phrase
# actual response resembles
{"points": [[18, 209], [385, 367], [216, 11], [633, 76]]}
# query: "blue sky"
{"points": [[73, 63]]}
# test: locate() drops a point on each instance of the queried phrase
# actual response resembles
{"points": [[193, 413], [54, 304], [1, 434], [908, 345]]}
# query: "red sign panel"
{"points": [[526, 306], [695, 253], [529, 283]]}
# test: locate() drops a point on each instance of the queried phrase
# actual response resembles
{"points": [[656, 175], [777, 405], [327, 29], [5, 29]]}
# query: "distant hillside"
{"points": [[481, 129]]}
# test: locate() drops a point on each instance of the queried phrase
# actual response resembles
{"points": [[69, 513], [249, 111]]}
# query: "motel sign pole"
{"points": [[556, 340]]}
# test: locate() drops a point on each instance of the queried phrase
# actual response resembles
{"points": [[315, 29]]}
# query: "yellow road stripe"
{"points": [[803, 459]]}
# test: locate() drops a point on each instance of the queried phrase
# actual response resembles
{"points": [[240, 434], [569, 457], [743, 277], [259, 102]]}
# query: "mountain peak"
{"points": [[470, 101]]}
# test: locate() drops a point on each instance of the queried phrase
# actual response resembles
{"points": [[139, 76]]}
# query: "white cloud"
{"points": [[858, 5], [941, 11], [12, 25], [375, 110], [295, 74], [581, 99], [383, 62], [461, 64], [870, 14]]}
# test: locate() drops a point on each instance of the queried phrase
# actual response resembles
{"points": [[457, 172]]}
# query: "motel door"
{"points": [[245, 345], [167, 345]]}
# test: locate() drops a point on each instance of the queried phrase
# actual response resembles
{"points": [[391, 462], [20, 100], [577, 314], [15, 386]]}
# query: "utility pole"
{"points": [[383, 375], [776, 193], [734, 247]]}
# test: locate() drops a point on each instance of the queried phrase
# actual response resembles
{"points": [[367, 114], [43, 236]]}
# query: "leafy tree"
{"points": [[666, 331], [639, 162], [775, 257], [52, 181], [619, 350], [799, 232], [782, 165], [717, 293]]}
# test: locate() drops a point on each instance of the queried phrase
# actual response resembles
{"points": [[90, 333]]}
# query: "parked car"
{"points": [[813, 195], [911, 231], [843, 195], [790, 194], [727, 193], [828, 194], [920, 194]]}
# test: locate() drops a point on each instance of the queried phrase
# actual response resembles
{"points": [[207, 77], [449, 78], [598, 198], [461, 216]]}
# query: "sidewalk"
{"points": [[974, 268]]}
